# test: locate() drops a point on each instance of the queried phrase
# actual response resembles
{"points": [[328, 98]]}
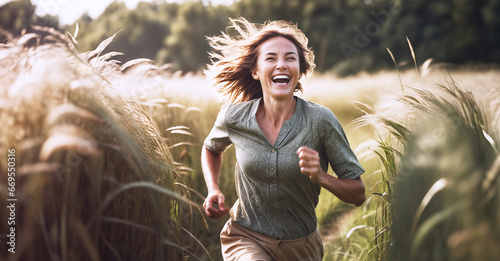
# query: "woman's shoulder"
{"points": [[240, 110], [317, 111], [321, 116]]}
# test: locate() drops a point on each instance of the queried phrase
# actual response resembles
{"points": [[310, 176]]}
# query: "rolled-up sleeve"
{"points": [[218, 140]]}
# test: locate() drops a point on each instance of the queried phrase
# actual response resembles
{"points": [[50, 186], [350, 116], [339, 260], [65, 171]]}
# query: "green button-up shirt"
{"points": [[274, 197]]}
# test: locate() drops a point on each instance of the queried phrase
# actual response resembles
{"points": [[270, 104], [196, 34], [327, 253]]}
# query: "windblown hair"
{"points": [[234, 57]]}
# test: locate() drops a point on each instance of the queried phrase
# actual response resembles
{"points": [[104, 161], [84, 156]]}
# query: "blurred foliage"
{"points": [[186, 47], [18, 15], [348, 36]]}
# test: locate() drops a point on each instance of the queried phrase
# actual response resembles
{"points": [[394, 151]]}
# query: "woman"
{"points": [[283, 146]]}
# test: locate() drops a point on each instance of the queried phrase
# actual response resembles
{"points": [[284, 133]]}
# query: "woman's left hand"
{"points": [[309, 163]]}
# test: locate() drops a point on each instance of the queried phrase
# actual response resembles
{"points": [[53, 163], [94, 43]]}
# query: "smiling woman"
{"points": [[278, 68], [236, 59], [283, 146]]}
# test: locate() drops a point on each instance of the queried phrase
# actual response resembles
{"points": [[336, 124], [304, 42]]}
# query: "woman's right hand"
{"points": [[214, 205]]}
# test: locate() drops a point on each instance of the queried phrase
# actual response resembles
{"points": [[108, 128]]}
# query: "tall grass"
{"points": [[94, 175], [190, 104], [453, 212], [439, 160]]}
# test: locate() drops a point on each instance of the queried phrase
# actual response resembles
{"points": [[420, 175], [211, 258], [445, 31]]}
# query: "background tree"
{"points": [[348, 36], [186, 47], [140, 31], [18, 15]]}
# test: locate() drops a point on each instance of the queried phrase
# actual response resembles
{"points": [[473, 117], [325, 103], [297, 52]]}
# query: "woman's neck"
{"points": [[275, 112]]}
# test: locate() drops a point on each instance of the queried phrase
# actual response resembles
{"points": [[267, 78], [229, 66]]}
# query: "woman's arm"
{"points": [[348, 190], [211, 164]]}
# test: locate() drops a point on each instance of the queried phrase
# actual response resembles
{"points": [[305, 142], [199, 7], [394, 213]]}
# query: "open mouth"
{"points": [[281, 79]]}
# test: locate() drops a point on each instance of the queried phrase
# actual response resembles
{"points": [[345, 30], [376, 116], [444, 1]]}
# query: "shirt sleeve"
{"points": [[342, 159], [218, 140]]}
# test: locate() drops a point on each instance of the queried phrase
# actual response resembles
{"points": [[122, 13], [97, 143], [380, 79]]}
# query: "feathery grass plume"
{"points": [[94, 176]]}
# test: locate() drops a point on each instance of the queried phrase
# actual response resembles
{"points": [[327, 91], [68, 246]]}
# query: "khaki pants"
{"points": [[241, 244]]}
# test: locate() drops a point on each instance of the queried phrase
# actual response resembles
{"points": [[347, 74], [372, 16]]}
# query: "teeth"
{"points": [[281, 77]]}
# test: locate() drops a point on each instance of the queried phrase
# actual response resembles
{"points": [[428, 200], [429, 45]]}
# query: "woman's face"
{"points": [[278, 68]]}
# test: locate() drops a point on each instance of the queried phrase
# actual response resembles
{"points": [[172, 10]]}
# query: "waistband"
{"points": [[269, 240]]}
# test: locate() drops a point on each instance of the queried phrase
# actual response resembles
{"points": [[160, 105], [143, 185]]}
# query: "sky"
{"points": [[70, 10]]}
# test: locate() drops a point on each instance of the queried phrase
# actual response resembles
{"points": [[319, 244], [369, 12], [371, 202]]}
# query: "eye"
{"points": [[269, 59], [291, 58]]}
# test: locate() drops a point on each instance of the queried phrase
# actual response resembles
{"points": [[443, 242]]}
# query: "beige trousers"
{"points": [[241, 244]]}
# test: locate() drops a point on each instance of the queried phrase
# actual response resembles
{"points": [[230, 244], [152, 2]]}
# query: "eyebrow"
{"points": [[274, 54]]}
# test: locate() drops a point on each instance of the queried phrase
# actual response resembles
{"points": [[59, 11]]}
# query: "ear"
{"points": [[255, 75]]}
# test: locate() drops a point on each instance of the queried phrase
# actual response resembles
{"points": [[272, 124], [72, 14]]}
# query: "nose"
{"points": [[281, 64]]}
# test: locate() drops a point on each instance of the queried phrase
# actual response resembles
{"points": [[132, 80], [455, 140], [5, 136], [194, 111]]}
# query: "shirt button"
{"points": [[274, 181], [272, 168], [272, 151]]}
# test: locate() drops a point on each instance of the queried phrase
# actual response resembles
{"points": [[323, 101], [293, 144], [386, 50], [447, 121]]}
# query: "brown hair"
{"points": [[234, 57]]}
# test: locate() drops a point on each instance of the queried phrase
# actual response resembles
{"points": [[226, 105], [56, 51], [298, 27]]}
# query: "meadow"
{"points": [[367, 105], [108, 158]]}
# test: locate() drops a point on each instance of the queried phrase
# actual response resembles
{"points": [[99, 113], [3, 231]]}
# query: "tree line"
{"points": [[347, 36]]}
